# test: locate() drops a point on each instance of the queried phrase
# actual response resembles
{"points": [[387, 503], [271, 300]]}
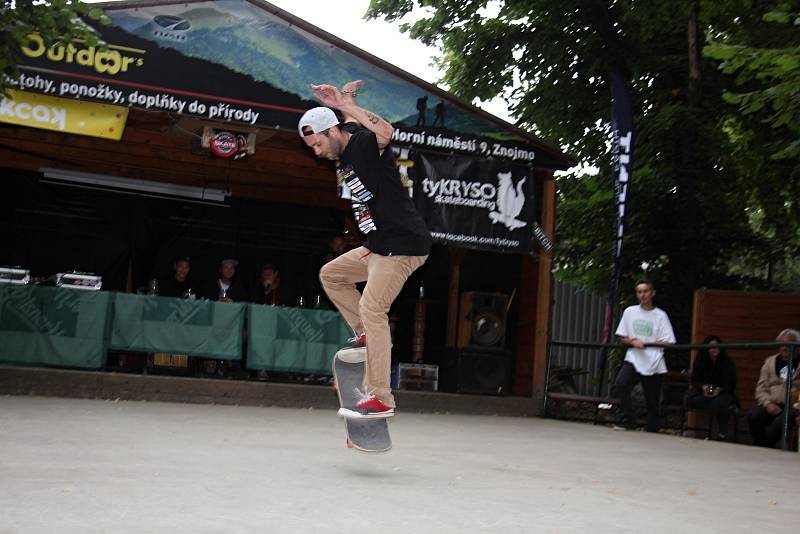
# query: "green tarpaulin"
{"points": [[54, 326], [71, 328], [294, 339], [163, 324]]}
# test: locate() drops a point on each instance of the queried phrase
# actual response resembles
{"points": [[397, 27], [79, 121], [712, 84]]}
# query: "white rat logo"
{"points": [[509, 202]]}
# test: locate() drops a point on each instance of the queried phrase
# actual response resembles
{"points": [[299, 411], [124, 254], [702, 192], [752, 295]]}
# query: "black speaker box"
{"points": [[482, 320], [482, 372]]}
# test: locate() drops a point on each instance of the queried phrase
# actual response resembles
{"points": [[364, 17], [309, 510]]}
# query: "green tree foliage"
{"points": [[765, 126], [57, 21], [773, 77], [692, 180]]}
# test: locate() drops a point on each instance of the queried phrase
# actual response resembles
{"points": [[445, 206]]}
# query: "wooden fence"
{"points": [[744, 317]]}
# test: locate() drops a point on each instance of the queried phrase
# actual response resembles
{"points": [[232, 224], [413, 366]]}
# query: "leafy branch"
{"points": [[58, 22]]}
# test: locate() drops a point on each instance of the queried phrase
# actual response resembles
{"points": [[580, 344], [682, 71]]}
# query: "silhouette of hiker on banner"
{"points": [[422, 108], [439, 114]]}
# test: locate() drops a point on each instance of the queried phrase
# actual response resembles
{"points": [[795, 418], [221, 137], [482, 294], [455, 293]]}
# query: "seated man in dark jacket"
{"points": [[713, 384], [268, 289], [226, 288], [180, 283]]}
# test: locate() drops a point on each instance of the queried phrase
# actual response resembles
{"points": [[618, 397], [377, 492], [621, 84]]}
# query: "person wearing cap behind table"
{"points": [[397, 240], [226, 288]]}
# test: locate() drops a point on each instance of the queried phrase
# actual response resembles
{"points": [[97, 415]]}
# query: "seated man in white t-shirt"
{"points": [[640, 325]]}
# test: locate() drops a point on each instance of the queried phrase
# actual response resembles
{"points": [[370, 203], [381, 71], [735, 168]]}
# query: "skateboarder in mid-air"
{"points": [[397, 240]]}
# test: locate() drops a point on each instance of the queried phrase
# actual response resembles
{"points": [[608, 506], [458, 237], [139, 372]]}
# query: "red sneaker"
{"points": [[367, 408], [357, 342], [355, 351]]}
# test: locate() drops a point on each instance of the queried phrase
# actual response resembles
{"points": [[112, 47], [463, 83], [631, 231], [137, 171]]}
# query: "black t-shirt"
{"points": [[384, 210], [172, 288]]}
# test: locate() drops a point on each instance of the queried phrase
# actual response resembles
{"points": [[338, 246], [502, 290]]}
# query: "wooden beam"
{"points": [[544, 290], [456, 257]]}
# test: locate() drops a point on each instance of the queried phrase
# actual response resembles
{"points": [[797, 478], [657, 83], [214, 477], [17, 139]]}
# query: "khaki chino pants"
{"points": [[368, 312]]}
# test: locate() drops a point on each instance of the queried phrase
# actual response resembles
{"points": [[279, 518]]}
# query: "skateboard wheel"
{"points": [[349, 444]]}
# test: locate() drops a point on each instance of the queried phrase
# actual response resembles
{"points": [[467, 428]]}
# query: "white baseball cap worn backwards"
{"points": [[318, 119]]}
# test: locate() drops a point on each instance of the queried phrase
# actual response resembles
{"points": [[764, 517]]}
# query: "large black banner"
{"points": [[247, 62], [485, 204], [137, 72]]}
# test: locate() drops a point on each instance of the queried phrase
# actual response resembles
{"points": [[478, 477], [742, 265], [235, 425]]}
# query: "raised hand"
{"points": [[344, 101], [335, 98], [328, 95], [350, 89]]}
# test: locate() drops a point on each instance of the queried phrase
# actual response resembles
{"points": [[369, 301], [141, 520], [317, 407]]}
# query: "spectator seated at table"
{"points": [[179, 284], [268, 289], [226, 288], [713, 384], [766, 418]]}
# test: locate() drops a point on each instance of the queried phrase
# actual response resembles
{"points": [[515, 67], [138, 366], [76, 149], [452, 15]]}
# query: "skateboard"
{"points": [[367, 435]]}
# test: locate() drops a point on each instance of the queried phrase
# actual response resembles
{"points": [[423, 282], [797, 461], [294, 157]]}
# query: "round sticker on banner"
{"points": [[223, 144]]}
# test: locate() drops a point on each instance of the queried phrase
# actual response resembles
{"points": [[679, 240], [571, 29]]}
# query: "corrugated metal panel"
{"points": [[578, 316]]}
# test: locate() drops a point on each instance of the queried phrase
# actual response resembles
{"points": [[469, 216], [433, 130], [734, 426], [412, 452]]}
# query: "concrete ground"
{"points": [[92, 466]]}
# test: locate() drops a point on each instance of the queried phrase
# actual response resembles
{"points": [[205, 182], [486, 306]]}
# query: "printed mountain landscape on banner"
{"points": [[269, 49]]}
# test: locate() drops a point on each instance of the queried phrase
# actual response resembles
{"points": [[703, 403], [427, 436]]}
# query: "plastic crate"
{"points": [[415, 376]]}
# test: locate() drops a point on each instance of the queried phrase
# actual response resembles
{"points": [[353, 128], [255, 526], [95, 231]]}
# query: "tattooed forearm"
{"points": [[371, 121]]}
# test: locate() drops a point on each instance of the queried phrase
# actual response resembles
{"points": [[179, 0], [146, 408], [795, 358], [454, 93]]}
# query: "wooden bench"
{"points": [[554, 401]]}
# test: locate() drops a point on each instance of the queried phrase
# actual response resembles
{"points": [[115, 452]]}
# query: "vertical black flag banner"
{"points": [[621, 160]]}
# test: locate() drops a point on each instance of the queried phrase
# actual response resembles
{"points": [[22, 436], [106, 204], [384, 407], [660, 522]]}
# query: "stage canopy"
{"points": [[248, 62]]}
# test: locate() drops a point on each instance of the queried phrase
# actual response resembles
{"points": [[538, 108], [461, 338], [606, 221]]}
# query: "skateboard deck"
{"points": [[368, 435]]}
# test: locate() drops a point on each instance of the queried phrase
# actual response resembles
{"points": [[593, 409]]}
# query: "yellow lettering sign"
{"points": [[63, 115], [113, 60]]}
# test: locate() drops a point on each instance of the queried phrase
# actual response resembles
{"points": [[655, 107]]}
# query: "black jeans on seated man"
{"points": [[765, 429], [651, 385], [719, 406]]}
